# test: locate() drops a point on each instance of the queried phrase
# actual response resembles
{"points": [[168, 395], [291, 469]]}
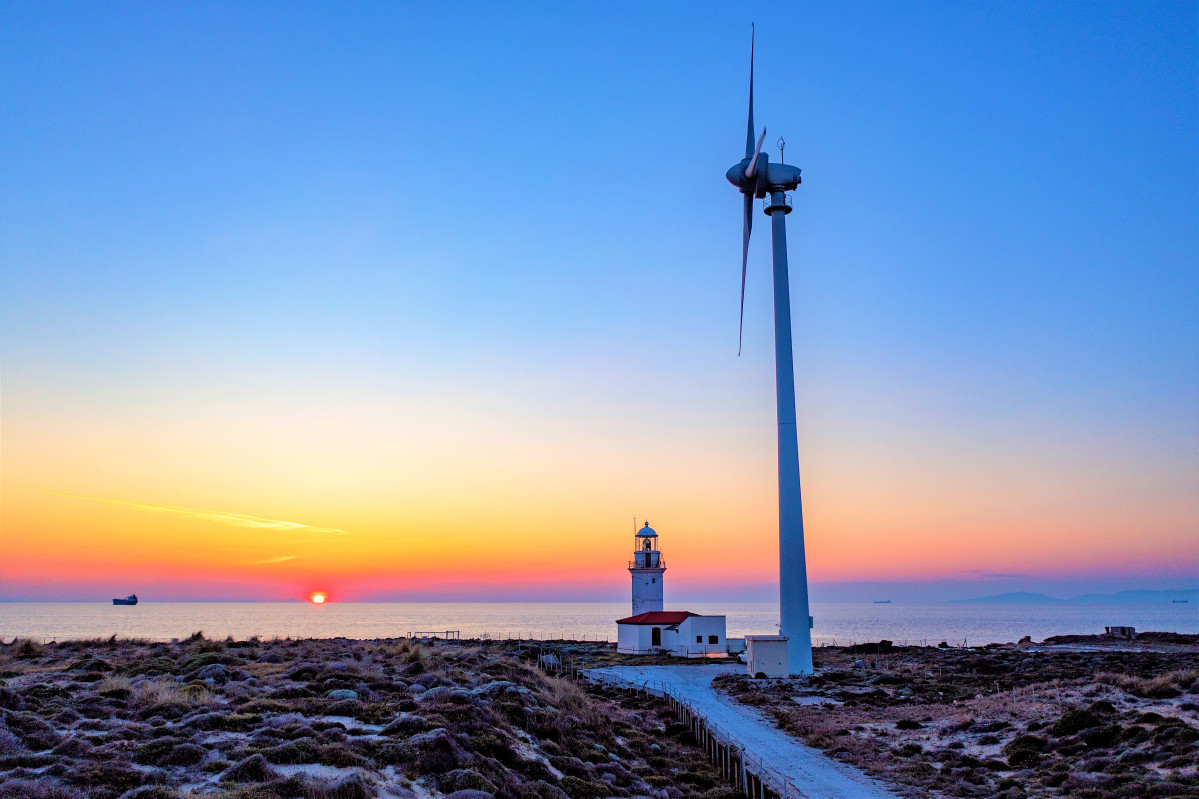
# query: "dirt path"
{"points": [[816, 775]]}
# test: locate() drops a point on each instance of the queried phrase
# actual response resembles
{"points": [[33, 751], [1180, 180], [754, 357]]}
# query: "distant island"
{"points": [[1029, 598]]}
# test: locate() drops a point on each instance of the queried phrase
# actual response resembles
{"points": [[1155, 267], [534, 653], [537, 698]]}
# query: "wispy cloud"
{"points": [[217, 517], [279, 559], [986, 575]]}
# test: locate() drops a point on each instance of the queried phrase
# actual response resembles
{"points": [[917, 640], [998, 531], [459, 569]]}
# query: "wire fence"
{"points": [[771, 782], [441, 636]]}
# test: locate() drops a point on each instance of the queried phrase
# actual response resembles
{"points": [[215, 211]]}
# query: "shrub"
{"points": [[586, 789], [462, 779], [252, 769], [292, 753], [1075, 720], [1102, 736], [41, 788]]}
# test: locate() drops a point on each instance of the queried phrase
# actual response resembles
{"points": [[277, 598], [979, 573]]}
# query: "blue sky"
{"points": [[993, 251]]}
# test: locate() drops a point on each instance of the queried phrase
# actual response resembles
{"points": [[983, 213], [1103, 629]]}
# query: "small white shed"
{"points": [[766, 655]]}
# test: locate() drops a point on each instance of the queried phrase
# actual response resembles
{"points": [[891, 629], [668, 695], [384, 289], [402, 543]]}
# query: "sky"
{"points": [[431, 301]]}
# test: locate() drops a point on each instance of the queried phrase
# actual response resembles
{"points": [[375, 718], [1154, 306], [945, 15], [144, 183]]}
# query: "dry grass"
{"points": [[1163, 686], [268, 669], [24, 648], [158, 692], [111, 684]]}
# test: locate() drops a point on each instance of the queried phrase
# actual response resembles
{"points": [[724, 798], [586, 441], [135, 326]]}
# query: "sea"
{"points": [[834, 623]]}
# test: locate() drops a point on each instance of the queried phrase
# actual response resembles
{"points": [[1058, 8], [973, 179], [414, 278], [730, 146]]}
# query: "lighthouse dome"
{"points": [[646, 532]]}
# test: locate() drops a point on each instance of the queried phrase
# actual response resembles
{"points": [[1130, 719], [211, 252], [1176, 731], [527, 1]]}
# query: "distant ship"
{"points": [[129, 600], [1180, 601], [882, 602]]}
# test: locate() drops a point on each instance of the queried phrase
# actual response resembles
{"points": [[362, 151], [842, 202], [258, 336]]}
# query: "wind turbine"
{"points": [[756, 177]]}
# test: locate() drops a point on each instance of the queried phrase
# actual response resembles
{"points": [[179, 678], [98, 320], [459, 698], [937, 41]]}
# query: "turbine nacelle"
{"points": [[765, 178]]}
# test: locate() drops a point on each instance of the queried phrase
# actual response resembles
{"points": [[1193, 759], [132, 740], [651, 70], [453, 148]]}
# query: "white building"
{"points": [[672, 632], [652, 630], [766, 655]]}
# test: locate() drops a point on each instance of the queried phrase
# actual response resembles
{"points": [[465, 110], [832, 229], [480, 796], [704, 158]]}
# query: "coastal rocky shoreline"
{"points": [[348, 719]]}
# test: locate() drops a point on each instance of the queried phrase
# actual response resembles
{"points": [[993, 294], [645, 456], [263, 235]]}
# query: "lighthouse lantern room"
{"points": [[647, 568]]}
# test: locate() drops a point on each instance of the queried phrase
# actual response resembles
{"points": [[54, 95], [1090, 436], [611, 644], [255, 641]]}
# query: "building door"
{"points": [[655, 636]]}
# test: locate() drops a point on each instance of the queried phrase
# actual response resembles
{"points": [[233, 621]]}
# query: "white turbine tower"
{"points": [[755, 176]]}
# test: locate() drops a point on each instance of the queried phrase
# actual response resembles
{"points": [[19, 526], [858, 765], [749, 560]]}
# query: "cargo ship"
{"points": [[129, 600]]}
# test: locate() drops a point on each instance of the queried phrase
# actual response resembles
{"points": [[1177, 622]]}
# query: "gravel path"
{"points": [[817, 776]]}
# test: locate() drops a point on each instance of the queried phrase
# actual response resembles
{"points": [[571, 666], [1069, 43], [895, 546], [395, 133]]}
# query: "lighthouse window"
{"points": [[713, 639], [699, 639], [653, 579]]}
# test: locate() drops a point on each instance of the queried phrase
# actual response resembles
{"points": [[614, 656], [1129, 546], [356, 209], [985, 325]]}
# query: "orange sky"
{"points": [[378, 496]]}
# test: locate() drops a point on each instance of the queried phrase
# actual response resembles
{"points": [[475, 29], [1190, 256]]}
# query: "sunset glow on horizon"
{"points": [[311, 320]]}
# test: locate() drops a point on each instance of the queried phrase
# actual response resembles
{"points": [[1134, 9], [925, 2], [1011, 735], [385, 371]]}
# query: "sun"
{"points": [[318, 599]]}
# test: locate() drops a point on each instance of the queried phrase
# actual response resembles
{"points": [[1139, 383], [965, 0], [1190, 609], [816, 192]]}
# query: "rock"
{"points": [[469, 794], [495, 688], [205, 721], [252, 769], [444, 693], [406, 724], [215, 672], [342, 694]]}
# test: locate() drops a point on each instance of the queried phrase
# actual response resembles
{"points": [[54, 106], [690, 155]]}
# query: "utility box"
{"points": [[766, 655]]}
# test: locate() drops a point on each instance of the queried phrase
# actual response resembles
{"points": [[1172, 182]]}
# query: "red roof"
{"points": [[658, 617]]}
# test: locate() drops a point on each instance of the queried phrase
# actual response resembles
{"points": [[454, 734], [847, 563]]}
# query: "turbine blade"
{"points": [[749, 131], [749, 170], [747, 225]]}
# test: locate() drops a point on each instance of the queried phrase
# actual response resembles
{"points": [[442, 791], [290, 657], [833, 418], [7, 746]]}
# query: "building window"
{"points": [[653, 579], [655, 636], [699, 639], [713, 639]]}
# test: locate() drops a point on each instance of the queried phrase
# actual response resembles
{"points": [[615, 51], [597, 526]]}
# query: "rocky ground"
{"points": [[326, 719], [1082, 716]]}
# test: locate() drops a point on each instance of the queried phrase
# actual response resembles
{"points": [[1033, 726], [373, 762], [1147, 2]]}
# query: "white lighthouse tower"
{"points": [[646, 567]]}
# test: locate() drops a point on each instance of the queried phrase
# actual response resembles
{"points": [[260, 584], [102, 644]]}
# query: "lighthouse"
{"points": [[654, 631], [646, 567]]}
